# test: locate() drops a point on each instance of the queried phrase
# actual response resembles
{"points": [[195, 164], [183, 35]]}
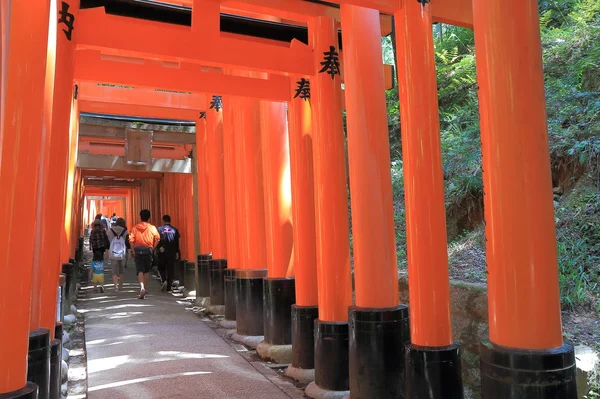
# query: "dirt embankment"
{"points": [[576, 191]]}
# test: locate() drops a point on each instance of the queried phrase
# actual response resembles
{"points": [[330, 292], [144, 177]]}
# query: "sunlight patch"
{"points": [[108, 363], [146, 379]]}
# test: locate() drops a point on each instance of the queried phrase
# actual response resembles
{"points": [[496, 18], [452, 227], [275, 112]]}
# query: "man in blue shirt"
{"points": [[104, 220]]}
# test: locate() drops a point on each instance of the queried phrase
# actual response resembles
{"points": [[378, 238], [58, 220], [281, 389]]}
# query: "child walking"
{"points": [[97, 274], [99, 243]]}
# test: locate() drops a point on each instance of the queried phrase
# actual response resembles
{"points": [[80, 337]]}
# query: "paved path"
{"points": [[155, 348]]}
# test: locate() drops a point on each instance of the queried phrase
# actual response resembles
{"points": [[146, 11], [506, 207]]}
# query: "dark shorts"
{"points": [[98, 254], [143, 259]]}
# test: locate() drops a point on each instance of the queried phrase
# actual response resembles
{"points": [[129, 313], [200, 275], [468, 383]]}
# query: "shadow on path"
{"points": [[154, 348]]}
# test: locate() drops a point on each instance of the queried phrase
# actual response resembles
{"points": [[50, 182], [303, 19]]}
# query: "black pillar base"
{"points": [[509, 373], [38, 363], [55, 365], [64, 308], [203, 282], [229, 284], [82, 273], [279, 296], [55, 371], [433, 372], [68, 269], [77, 278], [331, 355], [303, 336], [377, 341], [190, 276], [217, 281], [180, 272], [249, 301], [30, 391], [58, 331]]}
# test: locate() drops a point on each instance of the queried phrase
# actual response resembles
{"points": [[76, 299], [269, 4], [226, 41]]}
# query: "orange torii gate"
{"points": [[141, 102], [367, 348]]}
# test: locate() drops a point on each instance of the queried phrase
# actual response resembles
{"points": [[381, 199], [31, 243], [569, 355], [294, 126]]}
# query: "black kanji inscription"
{"points": [[331, 62], [65, 17], [303, 89], [216, 103]]}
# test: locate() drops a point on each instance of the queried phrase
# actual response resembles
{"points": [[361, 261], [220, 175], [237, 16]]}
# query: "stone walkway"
{"points": [[155, 348]]}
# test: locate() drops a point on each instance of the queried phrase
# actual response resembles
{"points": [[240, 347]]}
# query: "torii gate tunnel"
{"points": [[259, 192]]}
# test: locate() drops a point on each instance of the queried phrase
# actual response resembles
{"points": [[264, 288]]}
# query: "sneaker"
{"points": [[142, 294], [117, 288], [121, 285], [101, 289], [163, 288]]}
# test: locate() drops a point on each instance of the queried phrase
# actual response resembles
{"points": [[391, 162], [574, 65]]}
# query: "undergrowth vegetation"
{"points": [[578, 241], [571, 50]]}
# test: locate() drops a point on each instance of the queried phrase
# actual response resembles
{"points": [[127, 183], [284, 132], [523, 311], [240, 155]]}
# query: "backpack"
{"points": [[118, 247]]}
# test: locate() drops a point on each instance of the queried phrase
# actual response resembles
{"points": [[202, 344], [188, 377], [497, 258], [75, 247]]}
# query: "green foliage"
{"points": [[459, 118], [572, 64], [578, 242], [571, 51], [553, 13], [399, 212], [393, 113], [388, 50], [459, 115], [575, 281]]}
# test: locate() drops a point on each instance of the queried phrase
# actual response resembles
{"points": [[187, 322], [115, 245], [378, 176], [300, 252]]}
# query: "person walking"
{"points": [[119, 244], [143, 239], [113, 220], [98, 245], [97, 274], [168, 253], [104, 220]]}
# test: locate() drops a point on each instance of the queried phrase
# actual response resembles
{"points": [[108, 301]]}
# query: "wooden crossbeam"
{"points": [[106, 192], [111, 183], [91, 67], [128, 36], [292, 10], [118, 134], [100, 93], [141, 111], [454, 12], [120, 173], [87, 161]]}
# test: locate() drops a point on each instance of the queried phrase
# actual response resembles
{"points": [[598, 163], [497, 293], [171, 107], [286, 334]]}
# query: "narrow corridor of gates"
{"points": [[248, 127], [156, 349]]}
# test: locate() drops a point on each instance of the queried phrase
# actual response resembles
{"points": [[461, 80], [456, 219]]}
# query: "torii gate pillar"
{"points": [[202, 261], [379, 325], [525, 356], [216, 194], [432, 367], [305, 310], [249, 277], [331, 218], [22, 86]]}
